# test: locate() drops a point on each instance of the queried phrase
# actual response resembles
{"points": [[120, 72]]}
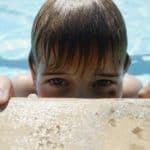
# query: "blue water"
{"points": [[16, 19]]}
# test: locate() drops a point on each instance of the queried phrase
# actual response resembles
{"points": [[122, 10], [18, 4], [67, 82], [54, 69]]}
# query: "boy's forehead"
{"points": [[92, 68], [82, 63]]}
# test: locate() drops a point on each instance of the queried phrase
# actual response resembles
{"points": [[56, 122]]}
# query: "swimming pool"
{"points": [[16, 20]]}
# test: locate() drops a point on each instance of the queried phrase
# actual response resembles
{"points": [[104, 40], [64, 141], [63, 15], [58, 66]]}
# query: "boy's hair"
{"points": [[77, 32]]}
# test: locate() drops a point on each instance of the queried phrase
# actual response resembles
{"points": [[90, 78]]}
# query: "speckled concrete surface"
{"points": [[73, 124]]}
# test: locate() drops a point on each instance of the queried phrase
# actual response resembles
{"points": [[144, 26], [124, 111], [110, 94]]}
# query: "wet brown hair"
{"points": [[78, 31]]}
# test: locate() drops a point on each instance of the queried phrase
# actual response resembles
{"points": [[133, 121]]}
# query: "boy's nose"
{"points": [[81, 93]]}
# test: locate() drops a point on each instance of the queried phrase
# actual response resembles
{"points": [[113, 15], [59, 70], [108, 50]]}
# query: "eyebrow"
{"points": [[99, 74], [108, 74], [54, 73]]}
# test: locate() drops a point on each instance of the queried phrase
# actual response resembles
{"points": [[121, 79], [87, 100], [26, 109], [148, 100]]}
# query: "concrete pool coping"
{"points": [[75, 124]]}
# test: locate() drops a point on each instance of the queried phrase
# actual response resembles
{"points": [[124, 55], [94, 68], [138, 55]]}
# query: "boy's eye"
{"points": [[58, 82], [102, 83]]}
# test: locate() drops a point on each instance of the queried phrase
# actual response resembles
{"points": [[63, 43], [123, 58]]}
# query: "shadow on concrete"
{"points": [[139, 66]]}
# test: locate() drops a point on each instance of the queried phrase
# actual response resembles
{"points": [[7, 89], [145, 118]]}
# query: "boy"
{"points": [[78, 49]]}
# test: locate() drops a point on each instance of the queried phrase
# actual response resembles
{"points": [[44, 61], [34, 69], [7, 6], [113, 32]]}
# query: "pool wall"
{"points": [[75, 124]]}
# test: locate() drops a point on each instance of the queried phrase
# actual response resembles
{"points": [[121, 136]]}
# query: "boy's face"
{"points": [[106, 83]]}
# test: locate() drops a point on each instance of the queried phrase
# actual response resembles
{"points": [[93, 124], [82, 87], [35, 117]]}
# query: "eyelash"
{"points": [[58, 82], [102, 83]]}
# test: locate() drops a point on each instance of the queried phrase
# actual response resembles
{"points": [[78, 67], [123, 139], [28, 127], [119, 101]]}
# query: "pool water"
{"points": [[16, 21]]}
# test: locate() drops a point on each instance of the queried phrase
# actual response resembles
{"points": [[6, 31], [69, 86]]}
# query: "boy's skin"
{"points": [[23, 86], [95, 81], [144, 92]]}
